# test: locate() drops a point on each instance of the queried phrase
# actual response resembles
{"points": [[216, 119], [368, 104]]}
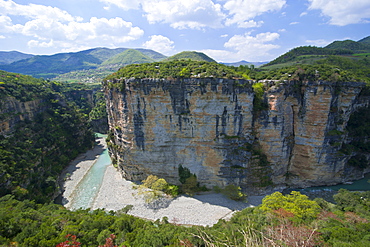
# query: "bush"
{"points": [[191, 185], [296, 203], [234, 192], [158, 184]]}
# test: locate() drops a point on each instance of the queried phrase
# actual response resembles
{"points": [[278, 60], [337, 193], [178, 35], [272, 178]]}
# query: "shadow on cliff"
{"points": [[221, 200]]}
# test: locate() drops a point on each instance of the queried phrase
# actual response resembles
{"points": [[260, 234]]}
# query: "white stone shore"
{"points": [[115, 193]]}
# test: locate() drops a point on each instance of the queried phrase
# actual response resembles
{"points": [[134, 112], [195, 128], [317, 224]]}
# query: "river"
{"points": [[327, 192], [87, 189]]}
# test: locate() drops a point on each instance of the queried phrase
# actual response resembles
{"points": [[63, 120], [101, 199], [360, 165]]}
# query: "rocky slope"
{"points": [[291, 136]]}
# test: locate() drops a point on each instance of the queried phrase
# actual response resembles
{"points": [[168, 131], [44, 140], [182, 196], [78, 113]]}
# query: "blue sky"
{"points": [[226, 30]]}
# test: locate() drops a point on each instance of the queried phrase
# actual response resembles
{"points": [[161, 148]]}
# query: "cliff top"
{"points": [[176, 69], [330, 70]]}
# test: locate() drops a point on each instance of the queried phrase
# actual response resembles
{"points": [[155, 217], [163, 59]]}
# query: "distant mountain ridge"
{"points": [[50, 66], [311, 54], [8, 57], [192, 55], [129, 56], [243, 62]]}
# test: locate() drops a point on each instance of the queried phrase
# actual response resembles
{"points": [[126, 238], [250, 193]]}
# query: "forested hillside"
{"points": [[36, 146], [7, 57]]}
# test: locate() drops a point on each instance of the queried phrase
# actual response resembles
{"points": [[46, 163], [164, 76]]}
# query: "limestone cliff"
{"points": [[13, 111], [213, 127]]}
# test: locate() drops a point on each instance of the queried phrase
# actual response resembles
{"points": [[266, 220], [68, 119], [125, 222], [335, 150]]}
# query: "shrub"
{"points": [[234, 192], [295, 202]]}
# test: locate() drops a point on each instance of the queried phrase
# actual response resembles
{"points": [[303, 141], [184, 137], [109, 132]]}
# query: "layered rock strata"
{"points": [[213, 127]]}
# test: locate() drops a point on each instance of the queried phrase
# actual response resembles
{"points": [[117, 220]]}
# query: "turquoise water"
{"points": [[327, 192], [88, 188], [359, 185]]}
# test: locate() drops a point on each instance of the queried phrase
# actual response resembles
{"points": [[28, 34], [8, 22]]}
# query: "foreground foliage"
{"points": [[25, 223]]}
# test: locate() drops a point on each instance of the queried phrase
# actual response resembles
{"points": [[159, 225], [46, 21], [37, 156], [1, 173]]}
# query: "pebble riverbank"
{"points": [[115, 193]]}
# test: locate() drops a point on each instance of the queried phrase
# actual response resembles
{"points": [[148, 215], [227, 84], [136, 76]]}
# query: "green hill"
{"points": [[365, 40], [7, 57], [311, 54], [192, 55], [51, 66], [129, 56], [304, 55], [355, 47], [152, 54]]}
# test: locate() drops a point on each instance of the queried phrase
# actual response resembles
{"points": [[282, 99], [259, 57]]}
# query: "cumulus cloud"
{"points": [[180, 14], [52, 27], [160, 44], [343, 12], [242, 11], [199, 14], [124, 4], [244, 47], [318, 42], [35, 11]]}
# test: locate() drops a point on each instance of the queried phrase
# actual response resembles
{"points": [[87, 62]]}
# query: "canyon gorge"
{"points": [[291, 134]]}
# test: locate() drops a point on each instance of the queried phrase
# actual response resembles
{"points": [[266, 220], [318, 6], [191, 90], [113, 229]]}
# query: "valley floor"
{"points": [[115, 193]]}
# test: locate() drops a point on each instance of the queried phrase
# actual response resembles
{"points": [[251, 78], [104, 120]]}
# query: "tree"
{"points": [[295, 203]]}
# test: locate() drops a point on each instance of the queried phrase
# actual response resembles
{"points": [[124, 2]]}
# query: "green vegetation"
{"points": [[353, 46], [76, 66], [175, 69], [296, 204], [307, 50], [189, 182], [190, 55], [259, 103], [232, 191], [281, 220], [35, 152], [99, 110], [158, 187], [129, 56], [7, 57]]}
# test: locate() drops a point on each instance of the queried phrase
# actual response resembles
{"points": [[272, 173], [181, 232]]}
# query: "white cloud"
{"points": [[246, 47], [123, 4], [52, 27], [242, 11], [35, 11], [224, 35], [250, 24], [294, 23], [2, 37], [343, 12], [318, 42], [199, 14], [180, 14], [160, 44]]}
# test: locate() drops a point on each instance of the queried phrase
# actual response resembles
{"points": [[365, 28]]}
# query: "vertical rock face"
{"points": [[304, 130], [211, 127], [12, 111]]}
